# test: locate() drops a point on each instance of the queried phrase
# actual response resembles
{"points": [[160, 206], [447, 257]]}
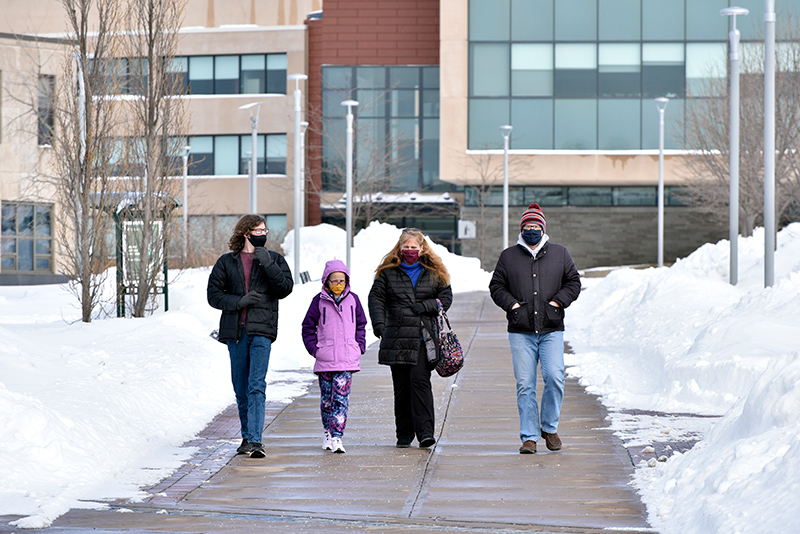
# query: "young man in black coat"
{"points": [[246, 285], [534, 281]]}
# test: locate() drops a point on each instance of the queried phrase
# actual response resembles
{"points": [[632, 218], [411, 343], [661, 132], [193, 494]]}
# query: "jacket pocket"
{"points": [[518, 317], [553, 316]]}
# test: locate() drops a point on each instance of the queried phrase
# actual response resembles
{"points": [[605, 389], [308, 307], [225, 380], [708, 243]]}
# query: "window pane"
{"points": [[25, 219], [42, 246], [201, 75], [620, 20], [276, 154], [430, 103], [371, 77], [703, 20], [531, 69], [404, 77], [226, 75], [276, 73], [25, 255], [430, 153], [673, 124], [576, 20], [590, 196], [332, 103], [619, 70], [489, 70], [619, 124], [662, 70], [253, 74], [575, 124], [201, 158], [276, 224], [546, 196], [576, 70], [42, 221], [404, 103], [337, 77], [706, 69], [489, 20], [430, 77], [371, 103], [42, 264], [532, 20], [226, 154], [485, 117], [533, 123], [246, 149], [9, 219], [635, 196], [8, 245], [662, 20]]}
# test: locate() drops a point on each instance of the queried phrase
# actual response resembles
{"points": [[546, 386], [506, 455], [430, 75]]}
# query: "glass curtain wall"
{"points": [[582, 74]]}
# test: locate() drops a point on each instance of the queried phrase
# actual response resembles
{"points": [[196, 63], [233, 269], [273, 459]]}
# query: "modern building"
{"points": [[435, 80]]}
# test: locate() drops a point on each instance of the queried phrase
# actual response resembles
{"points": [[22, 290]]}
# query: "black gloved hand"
{"points": [[263, 256], [251, 298], [378, 330], [418, 308]]}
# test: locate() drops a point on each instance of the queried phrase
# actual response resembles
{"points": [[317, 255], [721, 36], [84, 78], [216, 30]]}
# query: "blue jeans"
{"points": [[249, 362], [527, 352]]}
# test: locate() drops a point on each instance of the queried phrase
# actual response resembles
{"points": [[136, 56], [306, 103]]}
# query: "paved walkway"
{"points": [[474, 480]]}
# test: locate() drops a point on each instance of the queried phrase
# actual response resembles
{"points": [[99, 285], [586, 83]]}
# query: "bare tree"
{"points": [[708, 134], [157, 120], [84, 122]]}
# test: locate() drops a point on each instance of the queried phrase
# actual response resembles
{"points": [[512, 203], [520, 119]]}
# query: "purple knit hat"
{"points": [[533, 215]]}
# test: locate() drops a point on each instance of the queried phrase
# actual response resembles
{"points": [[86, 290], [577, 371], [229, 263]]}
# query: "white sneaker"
{"points": [[336, 444], [326, 442]]}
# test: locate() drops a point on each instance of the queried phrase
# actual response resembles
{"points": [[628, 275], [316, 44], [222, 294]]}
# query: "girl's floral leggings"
{"points": [[334, 389]]}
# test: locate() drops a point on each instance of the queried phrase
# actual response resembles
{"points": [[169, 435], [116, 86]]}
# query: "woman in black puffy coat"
{"points": [[403, 310]]}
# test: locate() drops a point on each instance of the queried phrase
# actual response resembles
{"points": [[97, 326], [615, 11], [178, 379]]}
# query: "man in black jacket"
{"points": [[246, 285], [534, 281]]}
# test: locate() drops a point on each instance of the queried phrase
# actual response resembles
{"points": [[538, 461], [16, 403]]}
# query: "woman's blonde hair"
{"points": [[427, 257]]}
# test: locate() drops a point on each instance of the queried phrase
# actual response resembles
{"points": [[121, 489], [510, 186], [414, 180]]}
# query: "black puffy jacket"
{"points": [[390, 301], [226, 286], [534, 282]]}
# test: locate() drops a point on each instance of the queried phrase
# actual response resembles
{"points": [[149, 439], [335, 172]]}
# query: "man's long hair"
{"points": [[245, 224], [427, 257]]}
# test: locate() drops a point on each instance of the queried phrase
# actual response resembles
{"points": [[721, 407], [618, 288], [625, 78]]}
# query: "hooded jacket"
{"points": [[226, 286], [335, 332]]}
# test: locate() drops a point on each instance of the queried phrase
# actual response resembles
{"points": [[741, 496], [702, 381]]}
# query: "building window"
{"points": [[523, 196], [44, 109], [397, 126], [229, 155], [26, 240]]}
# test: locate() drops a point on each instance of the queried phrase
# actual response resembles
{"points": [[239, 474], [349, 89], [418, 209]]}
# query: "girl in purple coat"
{"points": [[334, 332]]}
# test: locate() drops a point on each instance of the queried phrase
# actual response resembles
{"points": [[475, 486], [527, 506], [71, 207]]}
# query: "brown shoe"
{"points": [[552, 441], [529, 447]]}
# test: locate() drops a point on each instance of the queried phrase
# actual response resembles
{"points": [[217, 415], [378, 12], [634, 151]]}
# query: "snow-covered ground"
{"points": [[683, 340], [85, 408]]}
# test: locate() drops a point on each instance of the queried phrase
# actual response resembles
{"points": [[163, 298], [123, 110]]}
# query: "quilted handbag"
{"points": [[451, 358]]}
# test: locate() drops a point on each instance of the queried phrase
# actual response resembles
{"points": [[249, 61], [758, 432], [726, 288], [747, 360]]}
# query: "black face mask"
{"points": [[532, 236], [258, 240]]}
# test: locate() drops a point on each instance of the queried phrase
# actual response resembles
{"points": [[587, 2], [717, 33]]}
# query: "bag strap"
{"points": [[442, 318]]}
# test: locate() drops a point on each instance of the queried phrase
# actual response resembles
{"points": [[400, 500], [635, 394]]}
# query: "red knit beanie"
{"points": [[533, 215]]}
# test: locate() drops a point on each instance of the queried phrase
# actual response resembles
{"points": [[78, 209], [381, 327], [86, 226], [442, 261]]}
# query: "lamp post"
{"points": [[298, 156], [734, 143], [303, 130], [661, 104], [253, 204], [505, 131], [769, 142], [185, 156], [349, 177]]}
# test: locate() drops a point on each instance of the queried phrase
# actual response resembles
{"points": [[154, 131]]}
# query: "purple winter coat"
{"points": [[335, 334]]}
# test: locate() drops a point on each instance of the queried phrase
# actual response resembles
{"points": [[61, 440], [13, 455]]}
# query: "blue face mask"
{"points": [[532, 236]]}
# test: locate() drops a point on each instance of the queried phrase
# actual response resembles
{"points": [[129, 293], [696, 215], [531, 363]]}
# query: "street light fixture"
{"points": [[303, 130], [769, 143], [733, 12], [349, 177], [661, 104], [298, 157], [254, 108], [505, 131]]}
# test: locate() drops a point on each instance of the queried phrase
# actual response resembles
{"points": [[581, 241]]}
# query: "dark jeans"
{"points": [[249, 362], [413, 399]]}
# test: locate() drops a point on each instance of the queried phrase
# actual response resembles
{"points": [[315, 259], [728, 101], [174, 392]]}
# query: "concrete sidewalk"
{"points": [[473, 480]]}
